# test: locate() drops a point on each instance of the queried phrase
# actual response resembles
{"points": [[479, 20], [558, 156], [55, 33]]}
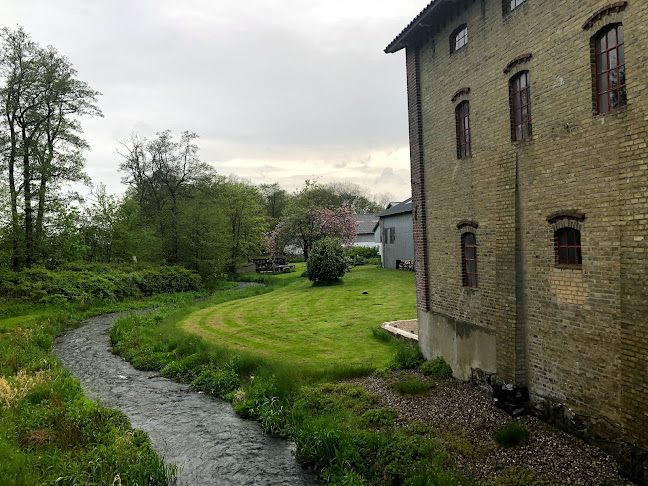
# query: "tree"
{"points": [[243, 207], [310, 216], [275, 200], [161, 172], [355, 197], [41, 101]]}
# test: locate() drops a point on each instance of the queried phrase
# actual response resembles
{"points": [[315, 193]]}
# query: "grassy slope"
{"points": [[313, 325], [48, 430]]}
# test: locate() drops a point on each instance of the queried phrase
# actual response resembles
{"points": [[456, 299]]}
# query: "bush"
{"points": [[408, 355], [216, 382], [95, 283], [511, 434], [437, 368], [411, 386], [363, 255], [327, 261]]}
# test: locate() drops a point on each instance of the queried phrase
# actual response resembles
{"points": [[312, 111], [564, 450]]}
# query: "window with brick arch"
{"points": [[469, 259], [609, 64], [462, 117], [458, 38], [568, 247], [520, 94]]}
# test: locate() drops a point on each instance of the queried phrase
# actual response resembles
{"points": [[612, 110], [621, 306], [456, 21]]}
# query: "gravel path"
{"points": [[464, 417], [200, 434]]}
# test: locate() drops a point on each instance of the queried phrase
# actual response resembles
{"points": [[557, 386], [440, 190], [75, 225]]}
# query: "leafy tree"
{"points": [[243, 207], [275, 200], [162, 172], [327, 262], [311, 216], [41, 100], [355, 197]]}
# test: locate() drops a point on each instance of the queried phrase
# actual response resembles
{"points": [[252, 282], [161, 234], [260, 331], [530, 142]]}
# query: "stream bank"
{"points": [[200, 434]]}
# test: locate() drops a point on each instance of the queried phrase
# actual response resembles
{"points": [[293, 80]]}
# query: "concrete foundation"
{"points": [[464, 346]]}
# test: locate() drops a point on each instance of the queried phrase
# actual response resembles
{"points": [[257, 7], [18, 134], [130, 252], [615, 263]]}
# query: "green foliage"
{"points": [[79, 283], [411, 386], [327, 261], [364, 255], [219, 382], [436, 368], [50, 433], [408, 355], [517, 476], [379, 417], [381, 334], [512, 434]]}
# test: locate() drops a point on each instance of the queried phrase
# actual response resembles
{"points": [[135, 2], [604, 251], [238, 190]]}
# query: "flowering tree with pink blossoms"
{"points": [[304, 227]]}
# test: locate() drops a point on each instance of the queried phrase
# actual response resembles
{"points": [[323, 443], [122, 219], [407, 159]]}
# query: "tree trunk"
{"points": [[29, 228]]}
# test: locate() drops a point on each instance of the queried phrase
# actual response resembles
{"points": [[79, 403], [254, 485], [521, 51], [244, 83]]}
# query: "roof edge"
{"points": [[399, 42]]}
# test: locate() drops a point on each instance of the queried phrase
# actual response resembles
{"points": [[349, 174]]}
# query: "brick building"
{"points": [[528, 130]]}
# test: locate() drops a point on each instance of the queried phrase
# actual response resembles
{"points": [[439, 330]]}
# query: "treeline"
{"points": [[176, 210]]}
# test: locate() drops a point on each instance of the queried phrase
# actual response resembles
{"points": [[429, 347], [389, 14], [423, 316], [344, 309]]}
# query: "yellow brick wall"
{"points": [[574, 336]]}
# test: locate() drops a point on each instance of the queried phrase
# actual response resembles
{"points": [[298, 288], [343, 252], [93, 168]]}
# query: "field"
{"points": [[313, 325]]}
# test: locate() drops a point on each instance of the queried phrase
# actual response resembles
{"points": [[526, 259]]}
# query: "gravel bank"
{"points": [[464, 417]]}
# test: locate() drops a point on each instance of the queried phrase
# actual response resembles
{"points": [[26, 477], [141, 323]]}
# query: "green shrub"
{"points": [[437, 368], [364, 252], [408, 355], [327, 261], [83, 284], [216, 382], [511, 434], [362, 255], [381, 417], [411, 386]]}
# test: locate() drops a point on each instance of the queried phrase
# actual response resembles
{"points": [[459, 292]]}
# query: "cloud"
{"points": [[277, 90]]}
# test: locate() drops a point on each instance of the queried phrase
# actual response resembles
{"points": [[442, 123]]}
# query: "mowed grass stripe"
{"points": [[311, 324]]}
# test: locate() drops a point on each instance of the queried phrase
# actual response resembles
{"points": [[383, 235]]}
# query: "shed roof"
{"points": [[404, 207], [366, 223], [423, 24]]}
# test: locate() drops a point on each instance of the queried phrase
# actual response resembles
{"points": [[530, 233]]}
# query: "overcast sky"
{"points": [[277, 90]]}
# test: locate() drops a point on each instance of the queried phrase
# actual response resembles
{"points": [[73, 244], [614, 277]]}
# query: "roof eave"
{"points": [[401, 39]]}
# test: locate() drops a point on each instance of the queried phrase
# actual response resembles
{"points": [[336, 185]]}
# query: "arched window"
{"points": [[458, 38], [469, 259], [462, 117], [568, 247], [520, 94], [609, 69]]}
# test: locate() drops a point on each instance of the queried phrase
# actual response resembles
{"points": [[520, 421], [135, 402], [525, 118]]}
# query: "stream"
{"points": [[201, 434]]}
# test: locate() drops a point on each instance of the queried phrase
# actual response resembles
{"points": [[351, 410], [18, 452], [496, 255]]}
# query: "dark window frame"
{"points": [[469, 259], [454, 38], [604, 74], [462, 122], [568, 249], [520, 101], [509, 5]]}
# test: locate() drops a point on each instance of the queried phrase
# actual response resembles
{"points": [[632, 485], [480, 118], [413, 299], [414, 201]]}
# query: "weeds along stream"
{"points": [[200, 434]]}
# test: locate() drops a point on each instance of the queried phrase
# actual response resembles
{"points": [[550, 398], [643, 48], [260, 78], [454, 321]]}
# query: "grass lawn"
{"points": [[313, 325]]}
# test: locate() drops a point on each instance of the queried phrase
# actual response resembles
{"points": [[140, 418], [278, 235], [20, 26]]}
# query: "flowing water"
{"points": [[201, 434]]}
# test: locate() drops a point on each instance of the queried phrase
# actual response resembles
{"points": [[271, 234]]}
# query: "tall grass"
{"points": [[50, 433]]}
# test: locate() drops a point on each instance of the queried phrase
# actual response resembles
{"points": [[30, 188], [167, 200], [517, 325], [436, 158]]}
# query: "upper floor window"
{"points": [[520, 93], [610, 69], [462, 117], [459, 38], [568, 247], [469, 259], [509, 5]]}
